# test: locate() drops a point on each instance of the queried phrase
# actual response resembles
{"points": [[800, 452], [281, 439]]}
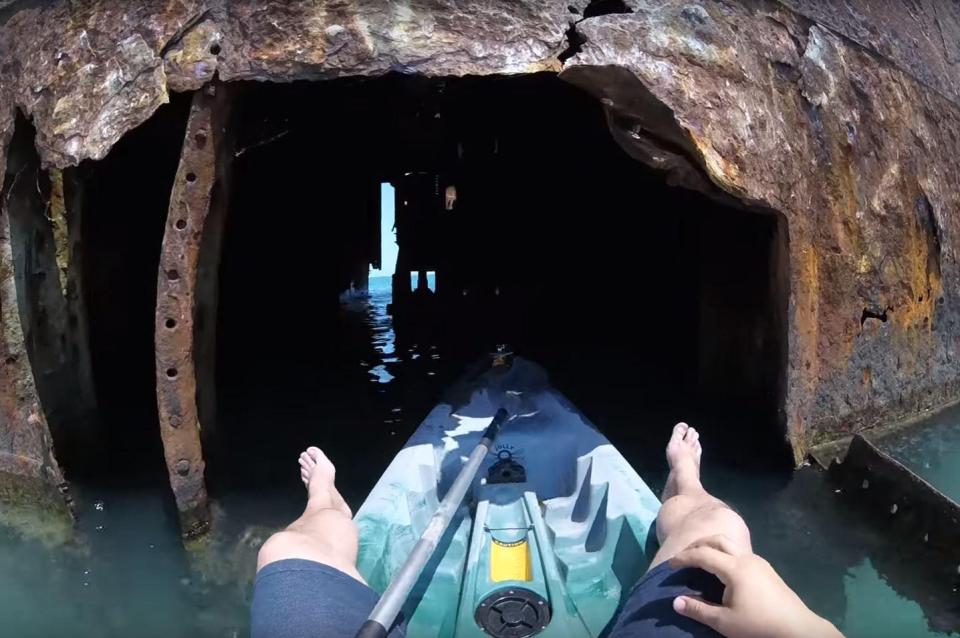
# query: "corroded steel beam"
{"points": [[29, 473], [176, 294]]}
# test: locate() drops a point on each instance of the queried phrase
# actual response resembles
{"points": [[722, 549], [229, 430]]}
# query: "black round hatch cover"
{"points": [[513, 612]]}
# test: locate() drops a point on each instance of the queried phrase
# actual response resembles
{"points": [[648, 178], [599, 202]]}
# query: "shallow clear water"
{"points": [[844, 569], [931, 450], [127, 575], [874, 609]]}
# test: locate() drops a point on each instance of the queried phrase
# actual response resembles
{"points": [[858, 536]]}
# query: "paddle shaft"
{"points": [[388, 607]]}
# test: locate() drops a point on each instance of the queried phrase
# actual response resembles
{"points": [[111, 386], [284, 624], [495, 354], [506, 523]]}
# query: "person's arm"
{"points": [[756, 601]]}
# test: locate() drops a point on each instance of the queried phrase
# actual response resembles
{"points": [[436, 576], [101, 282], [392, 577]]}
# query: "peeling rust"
{"points": [[190, 61], [862, 196], [176, 294]]}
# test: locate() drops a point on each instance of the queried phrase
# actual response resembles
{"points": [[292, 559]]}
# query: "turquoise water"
{"points": [[841, 567], [131, 578], [932, 450], [127, 575], [874, 609]]}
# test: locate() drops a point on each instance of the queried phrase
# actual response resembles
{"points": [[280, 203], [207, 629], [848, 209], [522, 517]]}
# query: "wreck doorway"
{"points": [[122, 201], [647, 304]]}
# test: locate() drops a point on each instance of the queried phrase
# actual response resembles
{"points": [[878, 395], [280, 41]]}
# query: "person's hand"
{"points": [[756, 601]]}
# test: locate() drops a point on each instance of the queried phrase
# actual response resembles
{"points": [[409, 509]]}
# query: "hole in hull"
{"points": [[647, 304], [119, 268]]}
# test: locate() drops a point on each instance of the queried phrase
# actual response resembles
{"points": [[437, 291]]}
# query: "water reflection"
{"points": [[374, 308], [381, 327]]}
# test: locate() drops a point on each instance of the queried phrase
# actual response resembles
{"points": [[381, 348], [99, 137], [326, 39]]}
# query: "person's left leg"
{"points": [[307, 580]]}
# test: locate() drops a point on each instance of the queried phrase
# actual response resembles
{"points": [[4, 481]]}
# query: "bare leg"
{"points": [[325, 532], [689, 513]]}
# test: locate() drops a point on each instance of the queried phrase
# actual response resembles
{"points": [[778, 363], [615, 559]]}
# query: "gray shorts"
{"points": [[297, 598], [303, 599]]}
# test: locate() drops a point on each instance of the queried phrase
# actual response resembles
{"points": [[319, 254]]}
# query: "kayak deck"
{"points": [[553, 533]]}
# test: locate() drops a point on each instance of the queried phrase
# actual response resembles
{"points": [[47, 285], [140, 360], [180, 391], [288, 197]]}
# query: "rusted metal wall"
{"points": [[86, 72], [51, 312], [176, 296], [920, 38], [821, 114], [856, 154], [29, 473]]}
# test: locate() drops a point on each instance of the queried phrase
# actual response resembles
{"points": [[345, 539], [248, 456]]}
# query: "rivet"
{"points": [[865, 484], [893, 508], [176, 421], [183, 467]]}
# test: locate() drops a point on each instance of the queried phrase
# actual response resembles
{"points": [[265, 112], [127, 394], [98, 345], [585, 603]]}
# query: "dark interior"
{"points": [[646, 303], [124, 199]]}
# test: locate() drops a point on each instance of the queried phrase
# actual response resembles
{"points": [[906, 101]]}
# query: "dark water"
{"points": [[127, 575]]}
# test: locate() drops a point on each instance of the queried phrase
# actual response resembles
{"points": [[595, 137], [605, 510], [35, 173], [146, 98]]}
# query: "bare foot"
{"points": [[318, 474], [683, 457]]}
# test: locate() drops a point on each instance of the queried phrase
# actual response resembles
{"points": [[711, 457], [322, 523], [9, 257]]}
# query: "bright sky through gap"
{"points": [[388, 237]]}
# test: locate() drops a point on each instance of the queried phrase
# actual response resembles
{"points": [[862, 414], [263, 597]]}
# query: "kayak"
{"points": [[553, 532]]}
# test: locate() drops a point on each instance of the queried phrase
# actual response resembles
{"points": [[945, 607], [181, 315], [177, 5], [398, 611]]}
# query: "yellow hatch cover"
{"points": [[510, 561]]}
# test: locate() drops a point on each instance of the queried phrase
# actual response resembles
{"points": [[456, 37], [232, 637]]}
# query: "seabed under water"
{"points": [[128, 575]]}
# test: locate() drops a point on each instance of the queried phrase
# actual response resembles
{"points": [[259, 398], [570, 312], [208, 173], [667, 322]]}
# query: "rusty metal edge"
{"points": [[176, 292], [823, 454], [908, 502]]}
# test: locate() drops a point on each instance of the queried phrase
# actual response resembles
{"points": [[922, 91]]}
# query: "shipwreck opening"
{"points": [[121, 205], [647, 304]]}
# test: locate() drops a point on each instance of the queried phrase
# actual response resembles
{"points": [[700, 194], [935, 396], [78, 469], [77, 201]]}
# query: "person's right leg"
{"points": [[688, 513]]}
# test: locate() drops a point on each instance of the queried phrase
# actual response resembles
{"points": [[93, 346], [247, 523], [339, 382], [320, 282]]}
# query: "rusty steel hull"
{"points": [[792, 108], [176, 298]]}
